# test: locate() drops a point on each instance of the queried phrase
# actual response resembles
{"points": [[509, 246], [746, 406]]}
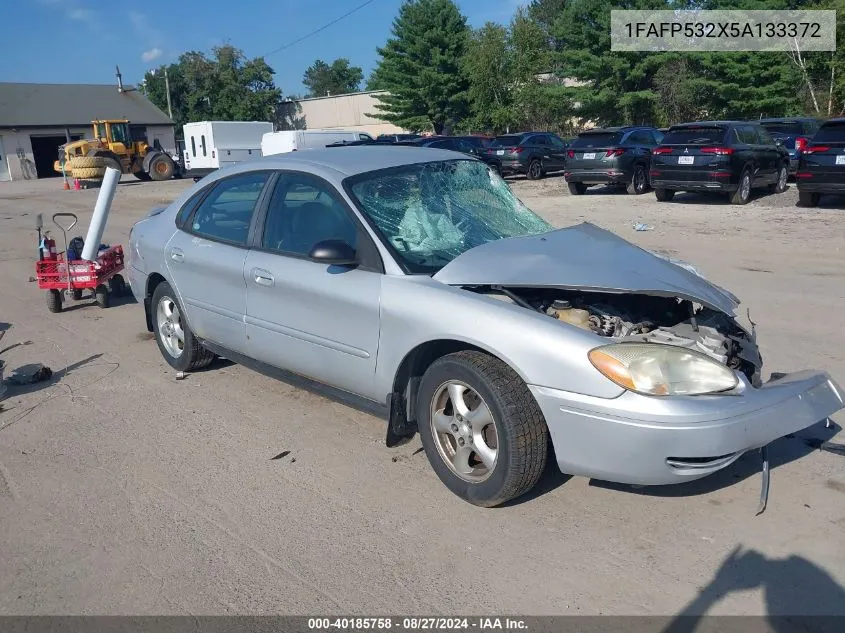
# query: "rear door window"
{"points": [[764, 136], [597, 139], [830, 133], [747, 134], [639, 137], [705, 135], [556, 142]]}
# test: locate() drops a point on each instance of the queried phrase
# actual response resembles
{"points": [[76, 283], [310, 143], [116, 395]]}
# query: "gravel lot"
{"points": [[125, 491]]}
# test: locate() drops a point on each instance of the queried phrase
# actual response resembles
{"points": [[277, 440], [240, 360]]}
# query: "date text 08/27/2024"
{"points": [[416, 624]]}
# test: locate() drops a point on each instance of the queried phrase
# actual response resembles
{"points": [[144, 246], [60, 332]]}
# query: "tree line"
{"points": [[550, 67]]}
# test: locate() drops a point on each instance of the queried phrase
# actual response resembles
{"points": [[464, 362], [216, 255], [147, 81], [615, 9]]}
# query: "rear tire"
{"points": [[535, 170], [54, 300], [186, 354], [577, 188], [639, 181], [161, 167], [101, 294], [743, 191], [780, 185], [513, 420], [142, 175], [664, 195], [808, 199]]}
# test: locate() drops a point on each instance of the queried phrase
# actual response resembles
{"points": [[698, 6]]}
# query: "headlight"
{"points": [[661, 370]]}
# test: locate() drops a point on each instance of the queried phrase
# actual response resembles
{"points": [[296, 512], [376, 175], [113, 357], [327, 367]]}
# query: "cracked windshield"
{"points": [[432, 212]]}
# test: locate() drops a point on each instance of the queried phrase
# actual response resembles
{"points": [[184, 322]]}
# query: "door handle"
{"points": [[262, 277], [177, 255]]}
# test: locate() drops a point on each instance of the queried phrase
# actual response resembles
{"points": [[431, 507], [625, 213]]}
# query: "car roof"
{"points": [[351, 160], [837, 121], [786, 119], [711, 124]]}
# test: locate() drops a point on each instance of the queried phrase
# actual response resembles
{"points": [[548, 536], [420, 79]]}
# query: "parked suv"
{"points": [[531, 153], [821, 168], [732, 157], [472, 145], [616, 155], [793, 133]]}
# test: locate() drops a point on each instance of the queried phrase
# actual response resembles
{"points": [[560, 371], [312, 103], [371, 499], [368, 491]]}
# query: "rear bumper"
{"points": [[807, 185], [693, 185], [596, 176], [644, 440], [509, 166]]}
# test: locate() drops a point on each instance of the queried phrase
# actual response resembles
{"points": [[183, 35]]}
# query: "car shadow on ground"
{"points": [[832, 202], [721, 199], [782, 451], [799, 595]]}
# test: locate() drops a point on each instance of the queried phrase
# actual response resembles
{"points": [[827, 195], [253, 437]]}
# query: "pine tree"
{"points": [[422, 69]]}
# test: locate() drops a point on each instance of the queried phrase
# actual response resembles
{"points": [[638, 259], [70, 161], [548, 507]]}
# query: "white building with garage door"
{"points": [[35, 119]]}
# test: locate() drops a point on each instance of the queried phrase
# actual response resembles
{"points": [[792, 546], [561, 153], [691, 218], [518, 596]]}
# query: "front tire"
{"points": [[577, 188], [808, 199], [161, 168], [743, 192], [664, 195], [54, 301], [174, 337], [482, 431]]}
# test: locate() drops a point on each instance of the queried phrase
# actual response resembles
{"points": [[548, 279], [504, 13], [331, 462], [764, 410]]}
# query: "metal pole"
{"points": [[167, 89]]}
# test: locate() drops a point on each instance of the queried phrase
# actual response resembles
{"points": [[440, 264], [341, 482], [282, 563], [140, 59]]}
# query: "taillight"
{"points": [[489, 151], [803, 174], [662, 150], [812, 149], [801, 143], [571, 154], [614, 152], [517, 150], [721, 151]]}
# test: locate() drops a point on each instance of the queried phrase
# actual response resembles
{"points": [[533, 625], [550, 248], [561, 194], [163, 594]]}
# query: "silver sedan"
{"points": [[412, 281]]}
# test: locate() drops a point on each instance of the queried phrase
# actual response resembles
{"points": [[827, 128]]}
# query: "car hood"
{"points": [[583, 257]]}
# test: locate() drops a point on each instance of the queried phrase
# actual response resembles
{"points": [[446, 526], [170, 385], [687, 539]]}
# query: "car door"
{"points": [[769, 152], [557, 151], [317, 320], [757, 154], [205, 257]]}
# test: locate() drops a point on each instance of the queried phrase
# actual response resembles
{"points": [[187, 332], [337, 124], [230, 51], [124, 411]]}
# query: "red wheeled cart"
{"points": [[64, 279]]}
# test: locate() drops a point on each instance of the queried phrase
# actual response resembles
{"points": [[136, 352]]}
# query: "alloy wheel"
{"points": [[170, 331], [464, 431]]}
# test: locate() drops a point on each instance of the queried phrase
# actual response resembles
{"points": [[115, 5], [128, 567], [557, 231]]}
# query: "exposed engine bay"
{"points": [[645, 318]]}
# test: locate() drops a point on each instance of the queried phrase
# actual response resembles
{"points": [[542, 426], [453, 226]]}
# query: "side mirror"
{"points": [[333, 252]]}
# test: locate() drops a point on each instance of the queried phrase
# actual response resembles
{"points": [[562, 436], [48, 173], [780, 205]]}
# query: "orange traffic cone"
{"points": [[67, 185]]}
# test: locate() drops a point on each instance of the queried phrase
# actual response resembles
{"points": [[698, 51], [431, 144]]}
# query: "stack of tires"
{"points": [[88, 169]]}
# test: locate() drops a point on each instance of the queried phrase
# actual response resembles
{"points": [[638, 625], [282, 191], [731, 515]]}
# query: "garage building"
{"points": [[35, 119]]}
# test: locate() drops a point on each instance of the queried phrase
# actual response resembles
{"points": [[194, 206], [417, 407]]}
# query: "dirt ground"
{"points": [[124, 491]]}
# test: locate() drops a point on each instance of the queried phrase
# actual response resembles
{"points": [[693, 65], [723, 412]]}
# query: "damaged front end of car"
{"points": [[662, 329]]}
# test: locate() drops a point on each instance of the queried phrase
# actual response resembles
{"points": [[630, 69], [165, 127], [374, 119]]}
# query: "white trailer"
{"points": [[293, 140], [210, 145]]}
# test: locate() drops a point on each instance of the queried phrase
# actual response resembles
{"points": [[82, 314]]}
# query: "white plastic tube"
{"points": [[101, 214]]}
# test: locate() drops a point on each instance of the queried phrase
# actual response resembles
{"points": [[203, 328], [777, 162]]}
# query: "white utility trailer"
{"points": [[210, 145], [292, 140]]}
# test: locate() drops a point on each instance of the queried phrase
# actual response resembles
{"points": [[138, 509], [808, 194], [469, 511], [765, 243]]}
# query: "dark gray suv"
{"points": [[615, 155]]}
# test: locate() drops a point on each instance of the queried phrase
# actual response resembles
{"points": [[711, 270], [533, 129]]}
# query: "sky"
{"points": [[81, 41]]}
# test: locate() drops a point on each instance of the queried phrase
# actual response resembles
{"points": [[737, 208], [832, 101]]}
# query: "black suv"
{"points": [[472, 145], [615, 155], [732, 157], [821, 167], [793, 133], [531, 153]]}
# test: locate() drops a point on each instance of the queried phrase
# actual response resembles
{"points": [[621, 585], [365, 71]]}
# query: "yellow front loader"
{"points": [[112, 146]]}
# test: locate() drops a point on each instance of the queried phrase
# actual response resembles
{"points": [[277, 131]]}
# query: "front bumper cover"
{"points": [[644, 440]]}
